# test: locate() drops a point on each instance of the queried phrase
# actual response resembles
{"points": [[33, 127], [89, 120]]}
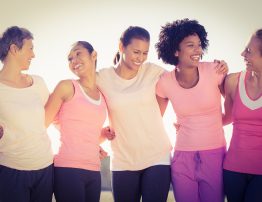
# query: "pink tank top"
{"points": [[245, 151], [80, 121]]}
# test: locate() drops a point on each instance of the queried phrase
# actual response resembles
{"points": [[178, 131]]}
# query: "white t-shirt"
{"points": [[141, 140], [25, 144]]}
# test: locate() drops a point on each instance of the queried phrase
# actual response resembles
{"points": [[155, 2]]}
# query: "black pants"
{"points": [[242, 187], [152, 184], [26, 186], [77, 185]]}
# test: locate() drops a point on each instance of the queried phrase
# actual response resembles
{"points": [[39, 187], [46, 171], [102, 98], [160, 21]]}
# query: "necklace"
{"points": [[186, 83]]}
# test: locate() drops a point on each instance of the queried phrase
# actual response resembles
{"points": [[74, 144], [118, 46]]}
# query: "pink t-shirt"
{"points": [[198, 109], [80, 121], [245, 151]]}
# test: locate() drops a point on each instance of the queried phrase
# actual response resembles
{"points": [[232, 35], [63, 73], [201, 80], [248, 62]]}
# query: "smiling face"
{"points": [[81, 61], [134, 54], [25, 54], [252, 55], [190, 51]]}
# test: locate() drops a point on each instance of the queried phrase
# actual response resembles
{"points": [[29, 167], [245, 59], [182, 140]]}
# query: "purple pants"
{"points": [[197, 176]]}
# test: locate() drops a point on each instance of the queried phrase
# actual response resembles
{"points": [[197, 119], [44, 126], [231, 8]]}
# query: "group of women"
{"points": [[135, 93]]}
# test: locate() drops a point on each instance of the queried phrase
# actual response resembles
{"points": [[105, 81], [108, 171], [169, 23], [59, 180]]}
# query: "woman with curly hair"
{"points": [[194, 89]]}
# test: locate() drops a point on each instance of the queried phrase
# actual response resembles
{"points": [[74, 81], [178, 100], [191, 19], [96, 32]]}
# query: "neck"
{"points": [[187, 73], [89, 81], [256, 76], [125, 72], [9, 72]]}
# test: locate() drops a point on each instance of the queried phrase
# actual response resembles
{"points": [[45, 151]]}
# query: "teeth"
{"points": [[195, 57], [77, 66], [137, 63]]}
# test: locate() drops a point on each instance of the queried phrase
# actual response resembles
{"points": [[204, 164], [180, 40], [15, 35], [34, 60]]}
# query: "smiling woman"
{"points": [[80, 111], [25, 150]]}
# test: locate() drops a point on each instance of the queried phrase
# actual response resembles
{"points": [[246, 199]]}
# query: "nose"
{"points": [[141, 57], [199, 49], [73, 61], [243, 53]]}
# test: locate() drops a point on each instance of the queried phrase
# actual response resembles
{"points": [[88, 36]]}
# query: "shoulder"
{"points": [[36, 78], [152, 67], [231, 81], [104, 70], [208, 66], [232, 78], [65, 84], [64, 88]]}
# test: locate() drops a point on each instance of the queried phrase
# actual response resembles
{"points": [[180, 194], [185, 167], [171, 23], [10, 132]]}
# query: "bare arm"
{"points": [[162, 102], [230, 89], [221, 68], [1, 131], [63, 92]]}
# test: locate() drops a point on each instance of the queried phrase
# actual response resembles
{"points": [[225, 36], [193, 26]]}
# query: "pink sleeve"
{"points": [[218, 76], [160, 87]]}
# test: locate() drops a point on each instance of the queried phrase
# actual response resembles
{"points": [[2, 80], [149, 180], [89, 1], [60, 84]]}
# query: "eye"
{"points": [[69, 59]]}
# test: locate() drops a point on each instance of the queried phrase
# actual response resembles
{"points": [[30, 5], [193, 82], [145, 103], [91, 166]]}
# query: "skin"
{"points": [[189, 55], [253, 58], [82, 64], [15, 62], [132, 57]]}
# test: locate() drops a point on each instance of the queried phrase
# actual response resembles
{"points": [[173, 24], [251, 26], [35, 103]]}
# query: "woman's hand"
{"points": [[1, 131], [108, 133], [102, 153], [177, 126], [221, 67]]}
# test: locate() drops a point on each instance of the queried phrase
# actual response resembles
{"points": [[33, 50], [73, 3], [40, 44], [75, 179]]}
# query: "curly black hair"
{"points": [[173, 33]]}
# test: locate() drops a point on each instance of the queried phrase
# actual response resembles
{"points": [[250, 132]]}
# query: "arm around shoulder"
{"points": [[231, 82], [62, 93]]}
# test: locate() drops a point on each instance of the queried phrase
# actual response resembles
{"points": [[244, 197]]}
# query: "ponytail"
{"points": [[116, 58]]}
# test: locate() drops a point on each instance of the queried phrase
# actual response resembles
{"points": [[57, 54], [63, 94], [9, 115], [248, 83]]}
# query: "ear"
{"points": [[13, 49], [176, 54], [121, 47], [94, 55]]}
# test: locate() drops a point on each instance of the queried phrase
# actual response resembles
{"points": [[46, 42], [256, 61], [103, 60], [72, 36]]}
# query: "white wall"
{"points": [[56, 24]]}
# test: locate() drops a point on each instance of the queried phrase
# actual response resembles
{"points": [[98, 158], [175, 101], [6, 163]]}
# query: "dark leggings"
{"points": [[152, 184], [26, 186], [242, 187], [78, 185]]}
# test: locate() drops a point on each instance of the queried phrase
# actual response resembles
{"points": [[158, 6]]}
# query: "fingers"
{"points": [[1, 132], [177, 126], [108, 133], [102, 153], [221, 67]]}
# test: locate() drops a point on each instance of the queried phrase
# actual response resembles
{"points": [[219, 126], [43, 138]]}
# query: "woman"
{"points": [[80, 110], [193, 88], [26, 169], [243, 105], [140, 160]]}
